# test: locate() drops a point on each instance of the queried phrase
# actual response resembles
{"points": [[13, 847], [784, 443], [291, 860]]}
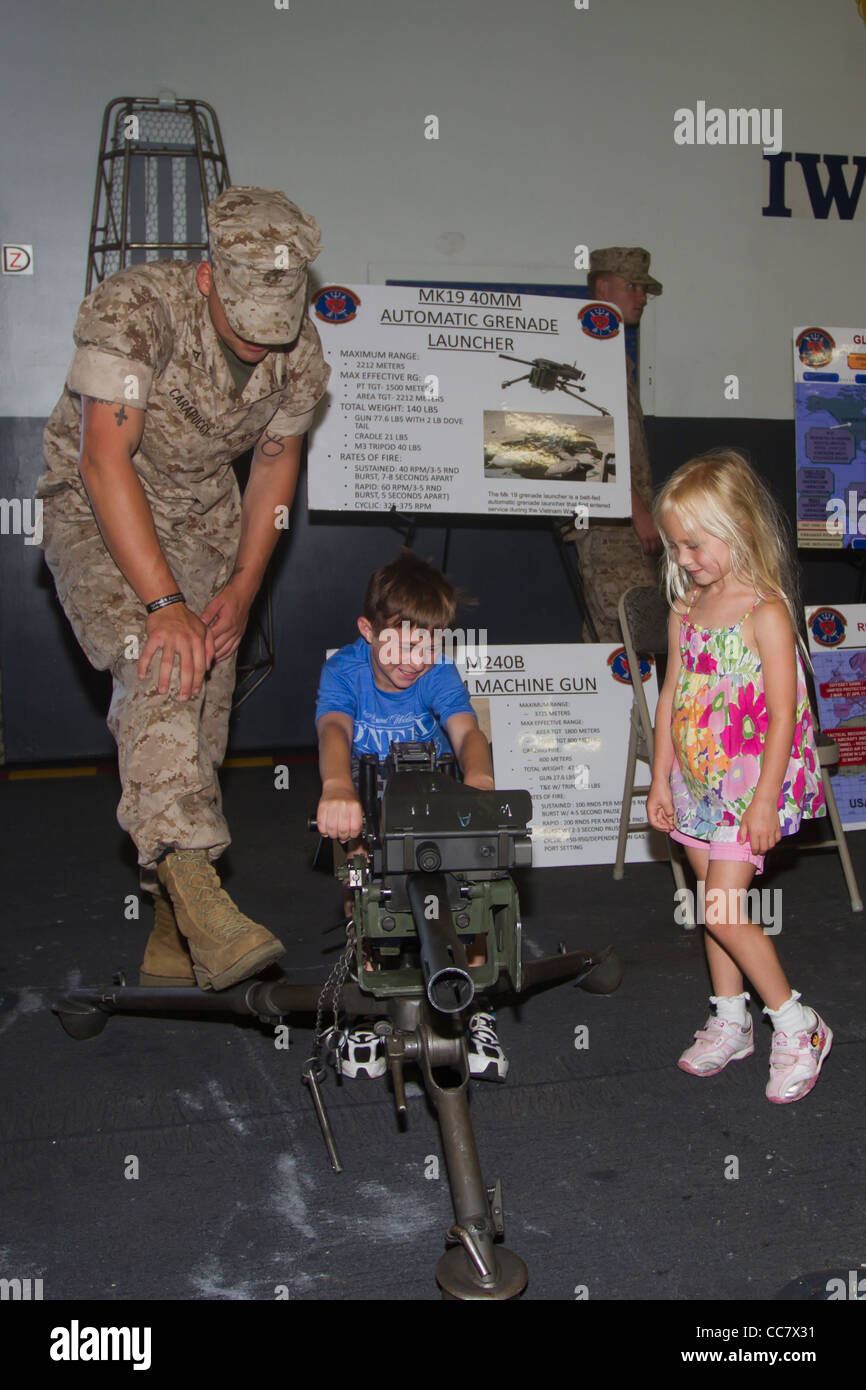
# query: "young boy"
{"points": [[388, 687]]}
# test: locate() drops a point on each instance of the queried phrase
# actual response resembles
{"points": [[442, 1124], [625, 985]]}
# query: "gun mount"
{"points": [[436, 875]]}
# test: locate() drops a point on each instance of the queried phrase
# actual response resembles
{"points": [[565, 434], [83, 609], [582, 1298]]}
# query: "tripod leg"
{"points": [[476, 1269]]}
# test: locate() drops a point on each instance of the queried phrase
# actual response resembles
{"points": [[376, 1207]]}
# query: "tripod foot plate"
{"points": [[80, 1020], [604, 977], [458, 1278]]}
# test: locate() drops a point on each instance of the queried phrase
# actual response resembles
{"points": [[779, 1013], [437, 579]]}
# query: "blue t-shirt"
{"points": [[383, 717]]}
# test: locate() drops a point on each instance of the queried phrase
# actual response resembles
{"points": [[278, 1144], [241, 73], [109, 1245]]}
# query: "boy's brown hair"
{"points": [[409, 590]]}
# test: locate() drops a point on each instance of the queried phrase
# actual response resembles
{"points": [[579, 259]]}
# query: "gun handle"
{"points": [[399, 1088], [368, 787], [395, 1047]]}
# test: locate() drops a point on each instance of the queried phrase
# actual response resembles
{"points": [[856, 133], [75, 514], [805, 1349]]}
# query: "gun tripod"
{"points": [[437, 872], [476, 1266]]}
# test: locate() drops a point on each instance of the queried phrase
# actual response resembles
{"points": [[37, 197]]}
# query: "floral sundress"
{"points": [[718, 724]]}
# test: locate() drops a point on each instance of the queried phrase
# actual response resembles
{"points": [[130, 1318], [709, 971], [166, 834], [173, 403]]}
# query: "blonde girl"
{"points": [[735, 763]]}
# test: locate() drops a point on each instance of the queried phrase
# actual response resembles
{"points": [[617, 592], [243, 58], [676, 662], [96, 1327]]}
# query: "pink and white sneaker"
{"points": [[796, 1062], [717, 1044]]}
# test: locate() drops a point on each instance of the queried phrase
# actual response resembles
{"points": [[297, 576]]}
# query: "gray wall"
{"points": [[556, 129]]}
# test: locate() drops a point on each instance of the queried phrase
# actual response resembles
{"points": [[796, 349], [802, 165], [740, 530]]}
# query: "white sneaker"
{"points": [[796, 1062], [487, 1061], [717, 1044], [363, 1054]]}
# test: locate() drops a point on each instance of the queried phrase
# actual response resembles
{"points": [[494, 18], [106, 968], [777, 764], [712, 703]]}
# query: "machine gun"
{"points": [[434, 875], [546, 375], [437, 874]]}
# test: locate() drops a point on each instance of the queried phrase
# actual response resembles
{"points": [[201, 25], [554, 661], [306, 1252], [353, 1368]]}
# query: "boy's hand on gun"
{"points": [[660, 806], [481, 781], [339, 815], [760, 826]]}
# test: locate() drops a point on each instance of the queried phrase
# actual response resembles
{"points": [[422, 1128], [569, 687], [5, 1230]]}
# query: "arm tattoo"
{"points": [[272, 446], [119, 415]]}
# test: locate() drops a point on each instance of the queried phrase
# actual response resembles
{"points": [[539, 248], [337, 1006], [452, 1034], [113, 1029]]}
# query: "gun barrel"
{"points": [[443, 959]]}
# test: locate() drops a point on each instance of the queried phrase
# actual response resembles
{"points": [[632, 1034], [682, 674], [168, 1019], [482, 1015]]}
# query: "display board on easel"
{"points": [[837, 646], [466, 401], [557, 718], [830, 416]]}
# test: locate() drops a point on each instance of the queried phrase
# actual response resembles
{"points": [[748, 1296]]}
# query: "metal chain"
{"points": [[332, 990]]}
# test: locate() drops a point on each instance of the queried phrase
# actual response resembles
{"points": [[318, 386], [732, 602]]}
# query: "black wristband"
{"points": [[164, 602]]}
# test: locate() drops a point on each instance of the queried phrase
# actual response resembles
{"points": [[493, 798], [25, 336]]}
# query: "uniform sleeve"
{"points": [[641, 473], [337, 693], [307, 377], [285, 424], [448, 693], [123, 339]]}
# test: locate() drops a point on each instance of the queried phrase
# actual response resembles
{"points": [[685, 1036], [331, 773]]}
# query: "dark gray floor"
{"points": [[613, 1161]]}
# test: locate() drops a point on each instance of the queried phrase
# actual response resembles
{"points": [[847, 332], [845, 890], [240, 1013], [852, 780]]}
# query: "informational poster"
{"points": [[830, 417], [558, 719], [837, 644], [470, 401]]}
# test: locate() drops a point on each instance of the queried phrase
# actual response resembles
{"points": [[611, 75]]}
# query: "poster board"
{"points": [[427, 413], [830, 423], [837, 645], [558, 717]]}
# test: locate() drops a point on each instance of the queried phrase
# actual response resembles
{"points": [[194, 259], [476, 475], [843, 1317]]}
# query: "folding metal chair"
{"points": [[828, 756], [643, 616]]}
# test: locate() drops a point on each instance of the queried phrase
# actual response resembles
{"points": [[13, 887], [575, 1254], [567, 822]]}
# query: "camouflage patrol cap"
{"points": [[260, 247], [631, 262]]}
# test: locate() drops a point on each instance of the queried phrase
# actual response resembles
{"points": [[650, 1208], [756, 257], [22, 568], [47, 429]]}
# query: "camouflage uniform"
{"points": [[145, 338], [610, 555]]}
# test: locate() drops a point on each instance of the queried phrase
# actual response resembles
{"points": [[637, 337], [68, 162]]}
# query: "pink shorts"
{"points": [[723, 850]]}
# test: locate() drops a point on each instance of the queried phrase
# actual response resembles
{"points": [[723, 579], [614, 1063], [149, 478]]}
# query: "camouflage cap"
{"points": [[631, 262], [261, 245]]}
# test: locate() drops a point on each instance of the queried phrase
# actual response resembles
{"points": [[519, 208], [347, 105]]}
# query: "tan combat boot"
{"points": [[167, 962], [225, 945]]}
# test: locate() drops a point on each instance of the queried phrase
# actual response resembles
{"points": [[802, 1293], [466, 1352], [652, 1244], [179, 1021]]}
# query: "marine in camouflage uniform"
{"points": [[611, 554], [185, 367]]}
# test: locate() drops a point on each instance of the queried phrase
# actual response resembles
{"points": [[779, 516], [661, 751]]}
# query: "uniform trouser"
{"points": [[611, 560], [168, 750]]}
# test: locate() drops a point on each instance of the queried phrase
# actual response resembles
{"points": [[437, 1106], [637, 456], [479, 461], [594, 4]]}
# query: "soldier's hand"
{"points": [[226, 617], [647, 531], [177, 632]]}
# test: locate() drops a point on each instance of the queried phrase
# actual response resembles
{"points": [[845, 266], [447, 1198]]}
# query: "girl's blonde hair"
{"points": [[720, 493]]}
